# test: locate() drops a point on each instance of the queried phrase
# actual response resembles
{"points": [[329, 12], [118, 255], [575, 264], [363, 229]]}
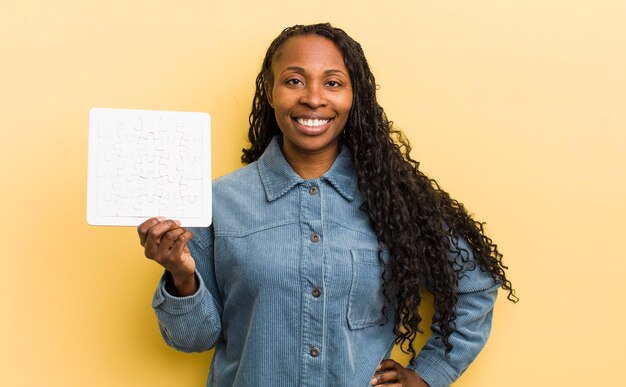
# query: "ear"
{"points": [[269, 88]]}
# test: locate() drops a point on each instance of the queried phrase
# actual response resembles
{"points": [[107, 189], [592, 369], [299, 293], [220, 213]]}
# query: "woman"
{"points": [[319, 247]]}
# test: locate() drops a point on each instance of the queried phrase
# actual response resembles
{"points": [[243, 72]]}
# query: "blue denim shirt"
{"points": [[290, 286]]}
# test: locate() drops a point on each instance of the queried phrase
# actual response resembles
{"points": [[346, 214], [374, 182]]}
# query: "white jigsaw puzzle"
{"points": [[144, 163]]}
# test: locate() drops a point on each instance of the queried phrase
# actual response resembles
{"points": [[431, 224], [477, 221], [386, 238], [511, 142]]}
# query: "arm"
{"points": [[474, 313], [186, 301], [477, 293], [432, 367]]}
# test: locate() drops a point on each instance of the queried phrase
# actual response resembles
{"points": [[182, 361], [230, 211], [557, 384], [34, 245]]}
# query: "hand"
{"points": [[397, 375], [165, 242]]}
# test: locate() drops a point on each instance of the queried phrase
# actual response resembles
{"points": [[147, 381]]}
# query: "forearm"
{"points": [[190, 323], [473, 325]]}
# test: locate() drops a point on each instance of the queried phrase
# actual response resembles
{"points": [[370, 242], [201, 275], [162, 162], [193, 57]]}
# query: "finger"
{"points": [[387, 364], [386, 376], [143, 228], [176, 255], [154, 235], [168, 239], [155, 232], [180, 245]]}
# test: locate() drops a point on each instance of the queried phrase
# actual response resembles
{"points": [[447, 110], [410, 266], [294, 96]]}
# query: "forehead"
{"points": [[311, 50]]}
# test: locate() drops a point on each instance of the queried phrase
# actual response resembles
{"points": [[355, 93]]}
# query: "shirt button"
{"points": [[316, 292], [315, 352], [313, 191], [315, 237]]}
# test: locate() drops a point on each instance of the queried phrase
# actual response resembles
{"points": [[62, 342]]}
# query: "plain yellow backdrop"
{"points": [[516, 107]]}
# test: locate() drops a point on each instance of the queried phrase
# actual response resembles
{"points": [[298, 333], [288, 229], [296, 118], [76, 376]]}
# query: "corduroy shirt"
{"points": [[290, 286]]}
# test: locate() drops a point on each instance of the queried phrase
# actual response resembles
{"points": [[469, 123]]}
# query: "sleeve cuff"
{"points": [[432, 373], [177, 305]]}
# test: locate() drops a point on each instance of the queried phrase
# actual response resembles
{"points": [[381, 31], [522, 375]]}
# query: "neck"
{"points": [[311, 165]]}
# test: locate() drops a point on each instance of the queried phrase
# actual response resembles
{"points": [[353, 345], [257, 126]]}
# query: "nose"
{"points": [[313, 96]]}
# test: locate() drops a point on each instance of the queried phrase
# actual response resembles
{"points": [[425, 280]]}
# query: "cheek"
{"points": [[281, 101], [346, 110], [348, 101]]}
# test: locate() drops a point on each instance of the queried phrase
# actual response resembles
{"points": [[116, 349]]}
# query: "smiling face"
{"points": [[311, 94]]}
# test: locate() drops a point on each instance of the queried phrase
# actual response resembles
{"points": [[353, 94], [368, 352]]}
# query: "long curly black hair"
{"points": [[413, 217]]}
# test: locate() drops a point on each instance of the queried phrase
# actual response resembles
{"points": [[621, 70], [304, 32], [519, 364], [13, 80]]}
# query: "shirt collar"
{"points": [[278, 177]]}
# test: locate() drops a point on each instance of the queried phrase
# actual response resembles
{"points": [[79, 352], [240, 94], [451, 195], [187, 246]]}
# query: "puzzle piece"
{"points": [[176, 208], [126, 206], [149, 205], [191, 167], [106, 205], [109, 185], [192, 206], [150, 144], [128, 145], [171, 131], [191, 149], [107, 127], [172, 169], [190, 131], [130, 187], [147, 167], [151, 186], [108, 164], [190, 187]]}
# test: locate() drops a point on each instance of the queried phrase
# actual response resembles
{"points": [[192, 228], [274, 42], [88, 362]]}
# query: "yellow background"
{"points": [[516, 107]]}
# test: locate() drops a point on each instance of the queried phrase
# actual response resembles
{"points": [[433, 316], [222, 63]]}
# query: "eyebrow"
{"points": [[300, 70]]}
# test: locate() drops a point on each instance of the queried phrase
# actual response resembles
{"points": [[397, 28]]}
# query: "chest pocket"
{"points": [[366, 299]]}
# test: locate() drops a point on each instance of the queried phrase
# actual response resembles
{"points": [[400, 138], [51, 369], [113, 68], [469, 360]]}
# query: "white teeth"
{"points": [[312, 123]]}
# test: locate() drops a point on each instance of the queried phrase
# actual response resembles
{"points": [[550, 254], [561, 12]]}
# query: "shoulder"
{"points": [[236, 196], [240, 180], [473, 277]]}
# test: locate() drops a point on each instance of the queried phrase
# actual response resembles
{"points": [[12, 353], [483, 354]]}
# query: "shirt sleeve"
{"points": [[192, 323], [477, 292]]}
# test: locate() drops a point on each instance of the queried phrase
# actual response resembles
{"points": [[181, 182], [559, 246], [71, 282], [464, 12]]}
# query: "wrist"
{"points": [[420, 382], [182, 286]]}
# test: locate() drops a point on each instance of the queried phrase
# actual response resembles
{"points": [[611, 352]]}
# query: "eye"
{"points": [[333, 84], [293, 82]]}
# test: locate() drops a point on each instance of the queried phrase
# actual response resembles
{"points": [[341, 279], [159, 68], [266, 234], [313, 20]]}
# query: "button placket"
{"points": [[313, 320]]}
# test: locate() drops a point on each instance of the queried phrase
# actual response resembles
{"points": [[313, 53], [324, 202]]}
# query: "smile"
{"points": [[312, 123]]}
